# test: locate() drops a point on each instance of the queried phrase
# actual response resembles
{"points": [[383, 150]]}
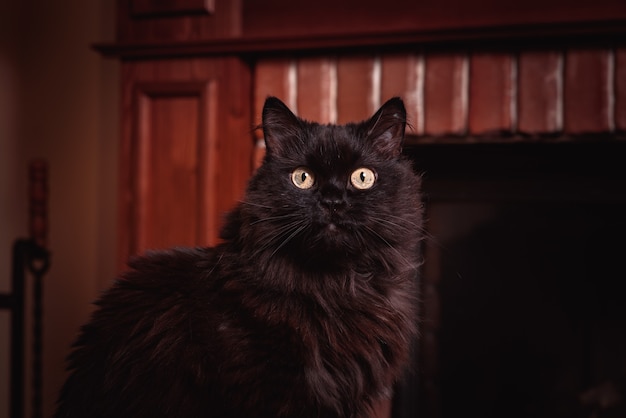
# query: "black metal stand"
{"points": [[31, 257]]}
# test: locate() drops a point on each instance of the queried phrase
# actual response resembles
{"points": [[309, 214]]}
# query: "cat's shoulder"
{"points": [[157, 283], [178, 270], [171, 261]]}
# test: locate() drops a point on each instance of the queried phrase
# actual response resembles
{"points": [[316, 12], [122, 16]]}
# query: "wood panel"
{"points": [[172, 143], [170, 21], [186, 151]]}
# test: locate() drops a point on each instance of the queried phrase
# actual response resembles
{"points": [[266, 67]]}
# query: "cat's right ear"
{"points": [[386, 128], [280, 126]]}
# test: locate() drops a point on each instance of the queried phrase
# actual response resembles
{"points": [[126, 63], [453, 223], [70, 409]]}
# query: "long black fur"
{"points": [[307, 308]]}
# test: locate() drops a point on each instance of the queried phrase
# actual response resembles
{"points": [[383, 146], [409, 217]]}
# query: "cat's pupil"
{"points": [[362, 176], [303, 177]]}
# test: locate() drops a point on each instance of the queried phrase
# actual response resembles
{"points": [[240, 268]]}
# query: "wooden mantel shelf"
{"points": [[611, 32]]}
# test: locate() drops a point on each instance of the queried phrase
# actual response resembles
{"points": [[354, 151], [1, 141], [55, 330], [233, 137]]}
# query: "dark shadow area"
{"points": [[531, 281]]}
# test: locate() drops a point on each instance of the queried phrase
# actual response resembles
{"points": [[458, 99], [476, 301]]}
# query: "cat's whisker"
{"points": [[273, 218], [244, 202], [376, 234], [280, 234], [410, 225], [301, 228], [383, 221], [404, 220], [413, 227]]}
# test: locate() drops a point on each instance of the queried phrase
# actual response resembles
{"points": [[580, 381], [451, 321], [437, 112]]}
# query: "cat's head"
{"points": [[331, 191]]}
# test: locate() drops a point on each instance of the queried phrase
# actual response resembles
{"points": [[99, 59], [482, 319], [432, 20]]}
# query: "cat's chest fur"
{"points": [[340, 340]]}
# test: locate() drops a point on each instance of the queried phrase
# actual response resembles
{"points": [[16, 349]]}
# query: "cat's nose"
{"points": [[332, 198], [333, 204]]}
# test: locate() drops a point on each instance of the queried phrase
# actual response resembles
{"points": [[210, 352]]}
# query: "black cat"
{"points": [[307, 308]]}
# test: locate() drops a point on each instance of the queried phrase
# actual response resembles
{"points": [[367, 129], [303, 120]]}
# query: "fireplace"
{"points": [[522, 294]]}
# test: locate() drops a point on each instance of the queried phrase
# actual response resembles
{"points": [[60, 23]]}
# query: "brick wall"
{"points": [[477, 97]]}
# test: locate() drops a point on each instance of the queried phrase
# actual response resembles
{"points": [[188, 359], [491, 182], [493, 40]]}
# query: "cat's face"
{"points": [[327, 191]]}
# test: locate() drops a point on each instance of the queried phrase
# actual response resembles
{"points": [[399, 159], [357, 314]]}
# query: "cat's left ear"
{"points": [[281, 127], [386, 128]]}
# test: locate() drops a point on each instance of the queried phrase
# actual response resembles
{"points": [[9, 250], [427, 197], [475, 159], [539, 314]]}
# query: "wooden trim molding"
{"points": [[493, 37]]}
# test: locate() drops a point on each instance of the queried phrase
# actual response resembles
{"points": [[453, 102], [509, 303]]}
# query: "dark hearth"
{"points": [[523, 288]]}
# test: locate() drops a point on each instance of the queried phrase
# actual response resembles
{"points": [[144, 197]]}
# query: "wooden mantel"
{"points": [[493, 37], [259, 28]]}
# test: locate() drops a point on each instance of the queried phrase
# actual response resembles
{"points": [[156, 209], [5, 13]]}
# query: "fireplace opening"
{"points": [[523, 288]]}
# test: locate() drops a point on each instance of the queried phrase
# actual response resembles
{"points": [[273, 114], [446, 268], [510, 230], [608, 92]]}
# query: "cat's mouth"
{"points": [[332, 230], [334, 234], [332, 227]]}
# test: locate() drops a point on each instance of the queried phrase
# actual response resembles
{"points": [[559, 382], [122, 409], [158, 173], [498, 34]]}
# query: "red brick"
{"points": [[355, 88], [317, 89], [540, 81], [586, 91], [271, 78], [445, 94], [490, 93], [403, 76]]}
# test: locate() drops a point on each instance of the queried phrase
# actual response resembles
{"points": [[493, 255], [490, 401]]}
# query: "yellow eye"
{"points": [[303, 178], [362, 178]]}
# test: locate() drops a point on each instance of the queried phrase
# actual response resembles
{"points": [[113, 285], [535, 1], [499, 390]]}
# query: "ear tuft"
{"points": [[386, 128]]}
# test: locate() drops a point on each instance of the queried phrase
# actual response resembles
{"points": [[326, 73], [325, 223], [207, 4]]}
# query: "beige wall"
{"points": [[59, 101]]}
